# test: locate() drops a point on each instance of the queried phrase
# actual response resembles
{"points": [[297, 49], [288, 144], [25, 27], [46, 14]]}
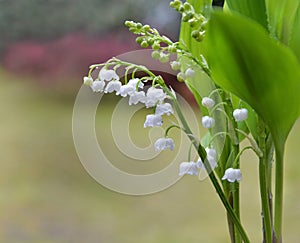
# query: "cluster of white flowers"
{"points": [[108, 81]]}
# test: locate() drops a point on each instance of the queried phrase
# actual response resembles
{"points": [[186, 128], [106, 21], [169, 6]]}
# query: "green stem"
{"points": [[212, 176], [278, 195], [264, 191]]}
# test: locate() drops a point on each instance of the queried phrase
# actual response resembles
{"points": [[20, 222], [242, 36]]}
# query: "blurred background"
{"points": [[45, 193]]}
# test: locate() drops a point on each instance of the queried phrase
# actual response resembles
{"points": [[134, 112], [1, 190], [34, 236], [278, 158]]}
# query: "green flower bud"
{"points": [[163, 57], [192, 22], [144, 44], [155, 55], [156, 45], [187, 6], [150, 41], [146, 28], [172, 49], [181, 9], [139, 26], [128, 23], [181, 77], [195, 34], [139, 39]]}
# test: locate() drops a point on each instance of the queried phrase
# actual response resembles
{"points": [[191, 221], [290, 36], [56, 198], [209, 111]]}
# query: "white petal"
{"points": [[188, 168], [133, 82], [232, 175], [126, 90], [153, 120], [175, 65], [154, 96], [88, 81], [208, 122], [165, 108], [189, 73], [108, 75], [113, 86], [240, 114], [136, 97], [208, 102], [164, 143], [98, 86]]}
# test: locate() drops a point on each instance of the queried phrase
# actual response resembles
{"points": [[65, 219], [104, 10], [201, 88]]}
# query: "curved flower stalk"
{"points": [[242, 97]]}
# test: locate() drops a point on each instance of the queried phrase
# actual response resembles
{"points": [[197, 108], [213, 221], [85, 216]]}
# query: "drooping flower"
{"points": [[108, 75], [175, 65], [188, 168], [211, 158], [136, 97], [163, 144], [133, 82], [98, 86], [125, 90], [113, 86], [240, 114], [88, 81], [154, 96], [232, 175], [153, 120], [208, 102], [208, 122], [189, 73], [165, 108]]}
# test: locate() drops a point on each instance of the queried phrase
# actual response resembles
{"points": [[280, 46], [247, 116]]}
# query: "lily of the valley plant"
{"points": [[247, 56]]}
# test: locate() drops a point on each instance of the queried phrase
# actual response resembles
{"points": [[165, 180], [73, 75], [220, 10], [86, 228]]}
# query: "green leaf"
{"points": [[254, 9], [295, 34], [281, 18], [264, 73]]}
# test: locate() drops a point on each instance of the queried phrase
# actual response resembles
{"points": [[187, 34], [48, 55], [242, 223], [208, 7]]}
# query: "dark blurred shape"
{"points": [[219, 3]]}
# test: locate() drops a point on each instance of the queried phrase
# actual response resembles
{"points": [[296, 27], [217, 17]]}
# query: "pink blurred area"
{"points": [[66, 58]]}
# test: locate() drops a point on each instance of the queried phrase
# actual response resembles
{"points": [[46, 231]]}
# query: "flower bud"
{"points": [[156, 45], [163, 57], [144, 44], [175, 65], [181, 77], [155, 55], [189, 73]]}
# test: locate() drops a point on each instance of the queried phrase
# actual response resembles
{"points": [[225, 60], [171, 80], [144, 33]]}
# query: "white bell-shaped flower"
{"points": [[133, 82], [163, 144], [153, 120], [113, 86], [136, 97], [125, 90], [154, 96], [165, 108], [88, 81], [208, 102], [108, 75], [189, 73], [175, 65], [232, 175], [208, 122], [188, 168], [211, 158], [240, 114], [98, 86]]}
